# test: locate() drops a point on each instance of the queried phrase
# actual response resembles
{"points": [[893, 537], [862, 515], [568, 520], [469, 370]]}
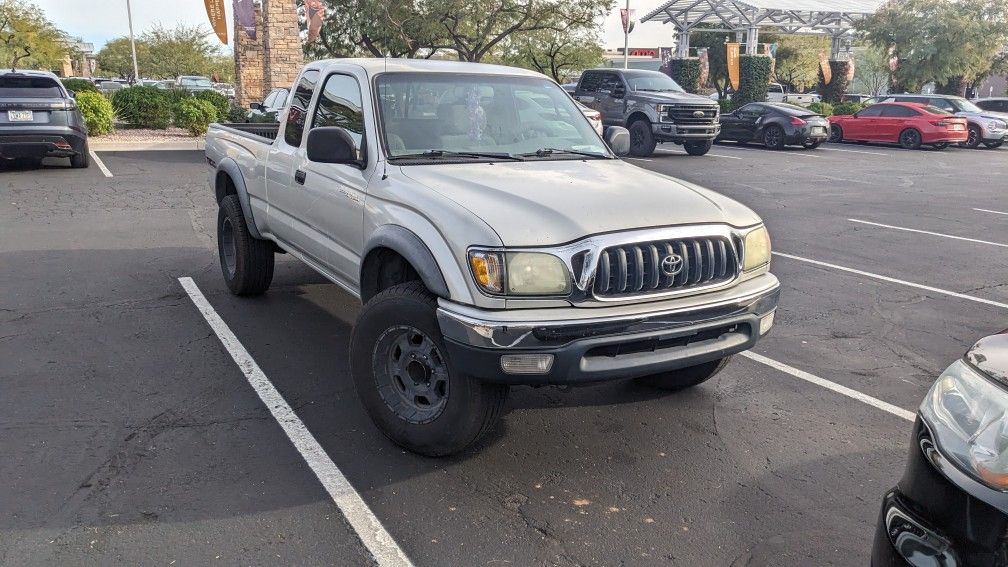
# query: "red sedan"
{"points": [[905, 123]]}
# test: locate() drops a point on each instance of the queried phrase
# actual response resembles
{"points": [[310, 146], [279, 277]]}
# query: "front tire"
{"points": [[910, 139], [697, 148], [973, 139], [406, 382], [246, 261], [683, 378], [642, 141], [773, 137]]}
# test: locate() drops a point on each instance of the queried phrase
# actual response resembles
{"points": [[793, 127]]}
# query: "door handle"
{"points": [[299, 176]]}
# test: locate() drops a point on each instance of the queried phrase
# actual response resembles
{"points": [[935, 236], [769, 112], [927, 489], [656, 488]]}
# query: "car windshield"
{"points": [[652, 81], [196, 82], [29, 87], [964, 105], [438, 116]]}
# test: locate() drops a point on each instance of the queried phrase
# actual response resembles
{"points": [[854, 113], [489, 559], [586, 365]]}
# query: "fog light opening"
{"points": [[765, 323], [526, 363]]}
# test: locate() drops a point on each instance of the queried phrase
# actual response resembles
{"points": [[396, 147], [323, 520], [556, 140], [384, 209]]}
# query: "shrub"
{"points": [[143, 107], [726, 105], [754, 78], [824, 108], [219, 101], [97, 112], [846, 108], [236, 113], [837, 87], [686, 72], [195, 115], [79, 85]]}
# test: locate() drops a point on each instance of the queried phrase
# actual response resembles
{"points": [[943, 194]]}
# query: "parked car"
{"points": [[225, 89], [777, 93], [193, 83], [653, 107], [905, 123], [993, 104], [775, 125], [570, 87], [270, 108], [987, 127], [109, 86], [859, 98], [593, 116], [40, 118], [951, 506], [490, 247]]}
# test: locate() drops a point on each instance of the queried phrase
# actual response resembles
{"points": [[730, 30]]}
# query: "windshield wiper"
{"points": [[546, 152], [450, 153]]}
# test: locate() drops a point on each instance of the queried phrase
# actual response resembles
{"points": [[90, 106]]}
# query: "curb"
{"points": [[167, 145]]}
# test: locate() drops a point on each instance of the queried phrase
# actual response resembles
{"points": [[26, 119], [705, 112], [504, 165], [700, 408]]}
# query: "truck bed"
{"points": [[267, 130]]}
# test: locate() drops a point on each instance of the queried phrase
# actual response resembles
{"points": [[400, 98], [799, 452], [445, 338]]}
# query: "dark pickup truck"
{"points": [[653, 107]]}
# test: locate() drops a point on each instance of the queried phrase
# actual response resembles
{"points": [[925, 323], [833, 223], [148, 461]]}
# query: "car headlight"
{"points": [[756, 249], [996, 125], [967, 415], [519, 273]]}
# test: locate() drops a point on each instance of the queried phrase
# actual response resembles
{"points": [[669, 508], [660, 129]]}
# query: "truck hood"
{"points": [[670, 97], [543, 203]]}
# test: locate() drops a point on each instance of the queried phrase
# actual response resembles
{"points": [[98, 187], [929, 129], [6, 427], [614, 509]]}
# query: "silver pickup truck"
{"points": [[494, 238]]}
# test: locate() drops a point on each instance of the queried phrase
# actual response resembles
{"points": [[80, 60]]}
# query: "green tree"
{"points": [[394, 28], [560, 55], [116, 58], [181, 50], [28, 39], [950, 43], [871, 71], [797, 60]]}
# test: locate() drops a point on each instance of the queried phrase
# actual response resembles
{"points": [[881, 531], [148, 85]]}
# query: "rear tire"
{"points": [[406, 382], [697, 148], [910, 139], [81, 160], [773, 137], [246, 261], [642, 142], [836, 134], [683, 378]]}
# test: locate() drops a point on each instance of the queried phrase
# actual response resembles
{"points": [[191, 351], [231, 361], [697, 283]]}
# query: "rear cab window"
{"points": [[29, 87], [294, 128]]}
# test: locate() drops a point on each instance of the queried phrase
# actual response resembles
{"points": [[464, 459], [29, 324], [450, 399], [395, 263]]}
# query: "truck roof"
{"points": [[377, 65]]}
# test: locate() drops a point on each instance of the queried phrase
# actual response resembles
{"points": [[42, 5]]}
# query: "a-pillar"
{"points": [[248, 56], [281, 43]]}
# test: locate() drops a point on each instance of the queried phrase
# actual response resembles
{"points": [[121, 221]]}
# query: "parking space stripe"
{"points": [[833, 386], [673, 152], [101, 165], [990, 211], [855, 151], [903, 228], [895, 280], [369, 529]]}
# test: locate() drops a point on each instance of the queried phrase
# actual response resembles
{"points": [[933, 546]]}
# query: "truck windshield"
{"points": [[652, 81], [460, 116]]}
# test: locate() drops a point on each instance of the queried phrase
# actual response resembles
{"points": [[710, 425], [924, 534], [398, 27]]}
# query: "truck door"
{"points": [[612, 99]]}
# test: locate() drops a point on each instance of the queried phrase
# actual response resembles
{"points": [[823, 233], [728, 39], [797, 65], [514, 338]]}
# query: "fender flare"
{"points": [[408, 245], [230, 167]]}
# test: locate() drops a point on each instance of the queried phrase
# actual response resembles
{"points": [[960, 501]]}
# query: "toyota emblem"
{"points": [[672, 264]]}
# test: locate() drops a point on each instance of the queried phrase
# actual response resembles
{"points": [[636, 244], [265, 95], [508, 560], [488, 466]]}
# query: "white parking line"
{"points": [[843, 390], [903, 228], [638, 159], [855, 151], [100, 164], [673, 152], [370, 530], [990, 211], [896, 281]]}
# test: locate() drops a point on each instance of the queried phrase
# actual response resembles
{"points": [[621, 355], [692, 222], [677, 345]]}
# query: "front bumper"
{"points": [[993, 135], [667, 132], [41, 142], [939, 515], [596, 344]]}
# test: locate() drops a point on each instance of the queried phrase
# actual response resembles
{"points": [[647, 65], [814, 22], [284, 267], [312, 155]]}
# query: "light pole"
{"points": [[626, 36], [129, 16]]}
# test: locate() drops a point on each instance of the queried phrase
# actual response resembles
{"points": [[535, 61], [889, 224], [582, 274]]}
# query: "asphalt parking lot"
{"points": [[130, 435]]}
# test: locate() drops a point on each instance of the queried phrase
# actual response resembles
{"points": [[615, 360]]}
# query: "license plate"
{"points": [[958, 127], [818, 130], [20, 116]]}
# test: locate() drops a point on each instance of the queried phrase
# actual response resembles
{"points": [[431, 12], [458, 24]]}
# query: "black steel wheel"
{"points": [[246, 261], [910, 139], [411, 374], [773, 137]]}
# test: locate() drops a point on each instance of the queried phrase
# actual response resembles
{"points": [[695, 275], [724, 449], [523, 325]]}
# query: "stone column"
{"points": [[248, 55], [281, 42]]}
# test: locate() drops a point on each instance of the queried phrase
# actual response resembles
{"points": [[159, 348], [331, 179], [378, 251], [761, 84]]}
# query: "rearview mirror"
{"points": [[255, 106], [618, 139], [332, 144]]}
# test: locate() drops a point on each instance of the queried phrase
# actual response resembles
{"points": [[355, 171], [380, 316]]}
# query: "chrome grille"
{"points": [[635, 269], [683, 114]]}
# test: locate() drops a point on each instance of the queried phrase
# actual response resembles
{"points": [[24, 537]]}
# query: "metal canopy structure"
{"points": [[832, 17]]}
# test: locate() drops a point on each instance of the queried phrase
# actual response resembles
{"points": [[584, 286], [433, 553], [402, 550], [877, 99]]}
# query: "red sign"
{"points": [[642, 52]]}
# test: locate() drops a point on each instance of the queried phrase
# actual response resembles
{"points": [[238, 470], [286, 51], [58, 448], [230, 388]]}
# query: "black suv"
{"points": [[39, 118], [652, 106]]}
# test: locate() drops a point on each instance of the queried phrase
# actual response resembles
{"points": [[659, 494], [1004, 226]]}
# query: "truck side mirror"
{"points": [[255, 106], [618, 139], [619, 92], [332, 144]]}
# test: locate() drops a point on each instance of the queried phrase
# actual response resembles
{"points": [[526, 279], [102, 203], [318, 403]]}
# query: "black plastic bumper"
{"points": [[42, 143]]}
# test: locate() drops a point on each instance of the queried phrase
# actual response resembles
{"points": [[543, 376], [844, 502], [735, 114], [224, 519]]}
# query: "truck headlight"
{"points": [[756, 249], [519, 273], [966, 413]]}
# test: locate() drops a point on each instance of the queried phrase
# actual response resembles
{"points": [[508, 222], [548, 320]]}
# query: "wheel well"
{"points": [[383, 268], [224, 186], [637, 116]]}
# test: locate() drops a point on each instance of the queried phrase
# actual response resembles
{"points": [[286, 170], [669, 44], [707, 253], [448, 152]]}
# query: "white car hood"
{"points": [[543, 203]]}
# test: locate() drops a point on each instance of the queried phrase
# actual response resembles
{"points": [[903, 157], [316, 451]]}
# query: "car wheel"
{"points": [[81, 160], [993, 145], [246, 261], [835, 134], [910, 139], [685, 377], [973, 139], [773, 137], [940, 145], [406, 382], [642, 142], [697, 148]]}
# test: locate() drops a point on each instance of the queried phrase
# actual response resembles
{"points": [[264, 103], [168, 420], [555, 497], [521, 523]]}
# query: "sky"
{"points": [[98, 21]]}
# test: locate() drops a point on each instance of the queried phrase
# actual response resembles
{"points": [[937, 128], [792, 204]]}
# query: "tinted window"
{"points": [[753, 110], [340, 105], [942, 103], [32, 87], [294, 130], [875, 110], [894, 110], [590, 81], [609, 82], [651, 81], [790, 109]]}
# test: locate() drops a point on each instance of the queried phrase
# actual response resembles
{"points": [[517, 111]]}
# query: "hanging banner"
{"points": [[850, 70], [665, 53], [316, 13], [244, 11], [732, 59], [218, 20], [704, 65], [824, 66], [627, 16]]}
